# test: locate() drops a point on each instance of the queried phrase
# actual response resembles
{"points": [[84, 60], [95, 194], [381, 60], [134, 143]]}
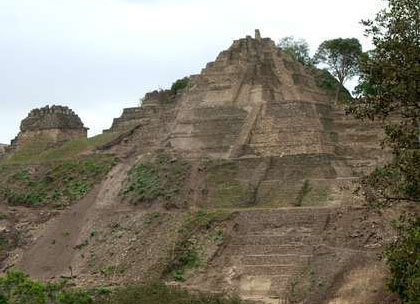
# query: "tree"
{"points": [[298, 49], [403, 259], [341, 57], [389, 92]]}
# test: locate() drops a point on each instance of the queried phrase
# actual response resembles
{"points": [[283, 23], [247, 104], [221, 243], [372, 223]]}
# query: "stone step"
{"points": [[266, 228], [283, 219], [280, 259], [269, 249], [267, 270], [269, 239]]}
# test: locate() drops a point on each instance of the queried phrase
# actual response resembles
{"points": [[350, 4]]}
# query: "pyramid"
{"points": [[259, 108]]}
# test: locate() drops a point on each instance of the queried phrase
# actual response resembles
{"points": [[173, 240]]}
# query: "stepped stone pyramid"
{"points": [[273, 118]]}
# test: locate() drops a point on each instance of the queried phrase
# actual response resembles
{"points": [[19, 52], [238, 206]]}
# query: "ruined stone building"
{"points": [[50, 123]]}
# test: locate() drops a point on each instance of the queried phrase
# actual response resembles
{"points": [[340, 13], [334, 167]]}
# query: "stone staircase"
{"points": [[269, 248]]}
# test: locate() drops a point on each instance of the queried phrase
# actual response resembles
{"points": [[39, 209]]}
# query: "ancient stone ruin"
{"points": [[50, 123], [256, 134], [262, 110]]}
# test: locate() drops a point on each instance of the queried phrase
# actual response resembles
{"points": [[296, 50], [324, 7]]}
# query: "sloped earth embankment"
{"points": [[302, 255]]}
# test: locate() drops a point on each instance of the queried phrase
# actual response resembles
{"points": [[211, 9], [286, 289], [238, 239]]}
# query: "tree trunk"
{"points": [[337, 93]]}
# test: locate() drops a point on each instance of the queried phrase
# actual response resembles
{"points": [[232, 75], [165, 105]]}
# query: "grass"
{"points": [[228, 190], [40, 152], [16, 287], [303, 192], [317, 196], [56, 183], [186, 254], [158, 293], [160, 180]]}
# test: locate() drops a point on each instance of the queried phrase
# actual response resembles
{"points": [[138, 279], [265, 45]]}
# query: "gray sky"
{"points": [[99, 56]]}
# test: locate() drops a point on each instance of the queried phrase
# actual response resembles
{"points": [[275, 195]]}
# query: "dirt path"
{"points": [[52, 254]]}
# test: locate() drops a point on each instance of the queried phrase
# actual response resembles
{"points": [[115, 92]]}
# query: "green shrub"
{"points": [[403, 260], [158, 293], [18, 288], [59, 183], [185, 252], [179, 85], [158, 180]]}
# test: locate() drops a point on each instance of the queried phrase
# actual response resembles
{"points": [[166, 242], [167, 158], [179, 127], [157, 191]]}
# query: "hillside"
{"points": [[243, 182]]}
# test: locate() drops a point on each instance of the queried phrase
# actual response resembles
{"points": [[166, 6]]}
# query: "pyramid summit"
{"points": [[254, 100]]}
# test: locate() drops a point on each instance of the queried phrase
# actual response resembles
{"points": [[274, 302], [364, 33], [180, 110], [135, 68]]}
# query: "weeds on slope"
{"points": [[41, 151], [56, 184], [160, 180], [16, 287]]}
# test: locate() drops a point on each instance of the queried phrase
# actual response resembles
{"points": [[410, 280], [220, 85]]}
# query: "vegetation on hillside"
{"points": [[156, 181], [18, 288], [187, 252], [403, 259], [39, 152], [56, 183], [389, 92]]}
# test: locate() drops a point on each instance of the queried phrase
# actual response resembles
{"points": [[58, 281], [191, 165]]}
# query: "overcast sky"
{"points": [[100, 56]]}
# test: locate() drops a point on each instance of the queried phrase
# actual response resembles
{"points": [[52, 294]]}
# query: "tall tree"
{"points": [[341, 57], [297, 48], [389, 92]]}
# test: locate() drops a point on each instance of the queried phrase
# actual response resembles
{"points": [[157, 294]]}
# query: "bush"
{"points": [[403, 259], [58, 183], [18, 288], [158, 293], [179, 85]]}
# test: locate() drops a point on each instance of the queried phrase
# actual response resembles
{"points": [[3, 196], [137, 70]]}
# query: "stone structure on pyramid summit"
{"points": [[50, 123]]}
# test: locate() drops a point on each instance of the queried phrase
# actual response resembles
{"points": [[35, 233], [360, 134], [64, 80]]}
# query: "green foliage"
{"points": [[185, 254], [149, 217], [326, 81], [298, 49], [179, 85], [403, 259], [229, 190], [17, 288], [158, 293], [40, 152], [74, 297], [341, 56], [306, 188], [159, 180], [389, 92], [54, 183]]}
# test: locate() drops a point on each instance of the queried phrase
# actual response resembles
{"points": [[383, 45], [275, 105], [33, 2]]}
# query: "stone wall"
{"points": [[50, 123]]}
